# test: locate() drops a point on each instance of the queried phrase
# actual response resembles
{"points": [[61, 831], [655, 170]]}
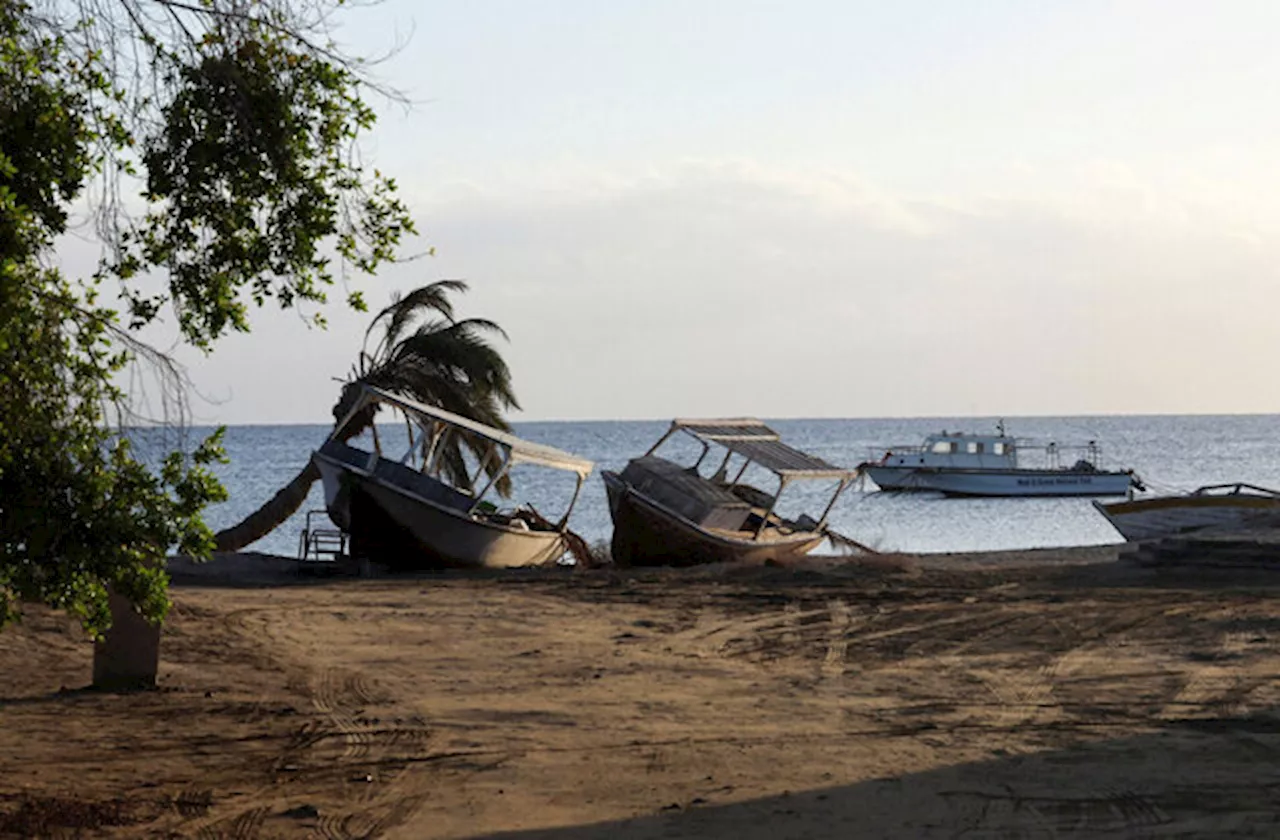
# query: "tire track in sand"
{"points": [[377, 756]]}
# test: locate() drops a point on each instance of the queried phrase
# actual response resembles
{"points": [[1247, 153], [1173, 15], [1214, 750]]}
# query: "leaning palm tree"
{"points": [[424, 353]]}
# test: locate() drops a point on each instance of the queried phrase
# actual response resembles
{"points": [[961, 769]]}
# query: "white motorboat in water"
{"points": [[1222, 507], [405, 513], [964, 464]]}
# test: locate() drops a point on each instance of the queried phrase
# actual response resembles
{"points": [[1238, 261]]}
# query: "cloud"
{"points": [[728, 287]]}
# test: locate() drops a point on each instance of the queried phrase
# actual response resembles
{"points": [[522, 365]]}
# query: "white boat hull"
{"points": [[1002, 483], [445, 535], [1145, 519]]}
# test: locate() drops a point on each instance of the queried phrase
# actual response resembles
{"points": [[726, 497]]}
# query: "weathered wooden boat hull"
{"points": [[647, 534], [1165, 516], [393, 526], [1000, 483]]}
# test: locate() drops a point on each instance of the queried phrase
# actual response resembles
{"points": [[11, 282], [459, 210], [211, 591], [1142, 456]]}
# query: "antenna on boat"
{"points": [[1000, 427]]}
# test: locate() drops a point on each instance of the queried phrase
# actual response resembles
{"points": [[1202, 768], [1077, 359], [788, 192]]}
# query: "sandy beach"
{"points": [[1035, 694]]}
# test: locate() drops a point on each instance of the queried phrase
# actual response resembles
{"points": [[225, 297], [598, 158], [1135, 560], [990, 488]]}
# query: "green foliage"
{"points": [[78, 512], [251, 172], [45, 153], [243, 132]]}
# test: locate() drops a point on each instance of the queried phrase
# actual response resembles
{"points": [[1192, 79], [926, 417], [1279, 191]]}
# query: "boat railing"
{"points": [[1234, 489], [1055, 454], [1064, 455]]}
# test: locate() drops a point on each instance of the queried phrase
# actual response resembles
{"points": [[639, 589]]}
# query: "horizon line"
{"points": [[668, 418]]}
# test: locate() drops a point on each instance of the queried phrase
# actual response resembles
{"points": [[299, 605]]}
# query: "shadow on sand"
{"points": [[1209, 777]]}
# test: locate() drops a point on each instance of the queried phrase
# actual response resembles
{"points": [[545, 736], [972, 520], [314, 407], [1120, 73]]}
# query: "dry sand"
{"points": [[990, 696]]}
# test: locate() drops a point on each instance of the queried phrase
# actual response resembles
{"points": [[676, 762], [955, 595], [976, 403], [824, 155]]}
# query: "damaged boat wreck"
{"points": [[403, 514], [1220, 507], [667, 514]]}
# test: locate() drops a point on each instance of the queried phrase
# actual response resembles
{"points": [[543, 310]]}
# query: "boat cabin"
{"points": [[999, 451], [957, 450]]}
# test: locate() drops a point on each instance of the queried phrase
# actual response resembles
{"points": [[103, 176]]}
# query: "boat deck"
{"points": [[776, 530]]}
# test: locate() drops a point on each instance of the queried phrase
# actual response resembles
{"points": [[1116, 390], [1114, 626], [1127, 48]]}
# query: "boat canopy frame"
{"points": [[434, 423], [758, 444], [1234, 488]]}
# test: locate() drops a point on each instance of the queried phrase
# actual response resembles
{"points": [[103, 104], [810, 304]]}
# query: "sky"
{"points": [[823, 208]]}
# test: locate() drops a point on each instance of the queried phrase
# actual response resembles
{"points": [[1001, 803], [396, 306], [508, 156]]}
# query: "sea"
{"points": [[1169, 453]]}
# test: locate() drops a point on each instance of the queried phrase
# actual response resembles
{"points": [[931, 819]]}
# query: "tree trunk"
{"points": [[272, 515], [127, 658]]}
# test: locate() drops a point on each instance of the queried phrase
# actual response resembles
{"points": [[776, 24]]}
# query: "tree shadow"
{"points": [[1190, 778], [62, 695]]}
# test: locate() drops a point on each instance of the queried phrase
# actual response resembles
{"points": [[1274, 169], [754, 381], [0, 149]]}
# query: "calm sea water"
{"points": [[1169, 452]]}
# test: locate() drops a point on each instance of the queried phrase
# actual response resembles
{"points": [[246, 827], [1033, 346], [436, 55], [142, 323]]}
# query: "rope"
{"points": [[574, 544], [849, 544], [579, 550]]}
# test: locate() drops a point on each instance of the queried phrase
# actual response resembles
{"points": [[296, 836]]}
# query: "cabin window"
{"points": [[944, 447], [997, 448], [975, 447]]}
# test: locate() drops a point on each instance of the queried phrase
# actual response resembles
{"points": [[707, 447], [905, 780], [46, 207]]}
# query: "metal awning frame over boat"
{"points": [[434, 423], [758, 444], [1234, 488]]}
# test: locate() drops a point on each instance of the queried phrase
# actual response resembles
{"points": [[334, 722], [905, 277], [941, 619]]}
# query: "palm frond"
{"points": [[459, 352], [483, 325], [401, 312], [440, 361]]}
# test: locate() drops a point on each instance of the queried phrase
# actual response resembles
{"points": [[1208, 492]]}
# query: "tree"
{"points": [[424, 353], [215, 141]]}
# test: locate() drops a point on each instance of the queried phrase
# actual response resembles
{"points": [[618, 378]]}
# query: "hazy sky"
{"points": [[827, 208]]}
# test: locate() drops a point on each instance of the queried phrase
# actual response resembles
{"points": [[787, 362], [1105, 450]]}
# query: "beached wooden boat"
{"points": [[1217, 507], [401, 513], [667, 514]]}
